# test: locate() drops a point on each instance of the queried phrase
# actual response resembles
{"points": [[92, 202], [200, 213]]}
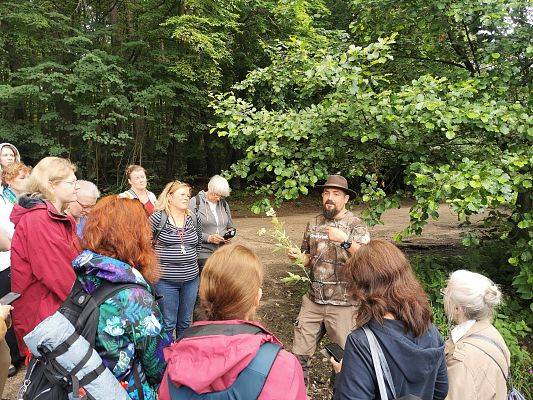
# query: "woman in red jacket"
{"points": [[44, 244]]}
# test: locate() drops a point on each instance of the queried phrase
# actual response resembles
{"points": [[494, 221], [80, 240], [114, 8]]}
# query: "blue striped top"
{"points": [[177, 248]]}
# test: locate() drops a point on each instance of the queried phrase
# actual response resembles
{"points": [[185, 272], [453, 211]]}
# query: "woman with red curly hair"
{"points": [[130, 337], [395, 309]]}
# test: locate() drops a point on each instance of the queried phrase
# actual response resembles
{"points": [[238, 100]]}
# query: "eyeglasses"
{"points": [[86, 206], [69, 183]]}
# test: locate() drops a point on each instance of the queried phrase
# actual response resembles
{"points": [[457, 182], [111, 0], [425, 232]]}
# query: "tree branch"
{"points": [[471, 47], [455, 64], [459, 51]]}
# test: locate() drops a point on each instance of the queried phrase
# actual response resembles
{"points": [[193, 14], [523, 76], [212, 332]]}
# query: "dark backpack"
{"points": [[45, 378], [250, 382]]}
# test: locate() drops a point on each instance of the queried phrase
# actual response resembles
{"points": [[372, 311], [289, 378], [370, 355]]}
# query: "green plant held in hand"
{"points": [[282, 242]]}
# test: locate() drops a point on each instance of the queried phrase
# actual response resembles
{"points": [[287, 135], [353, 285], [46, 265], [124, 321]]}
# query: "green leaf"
{"points": [[450, 134]]}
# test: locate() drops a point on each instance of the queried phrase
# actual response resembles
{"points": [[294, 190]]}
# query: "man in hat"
{"points": [[329, 240]]}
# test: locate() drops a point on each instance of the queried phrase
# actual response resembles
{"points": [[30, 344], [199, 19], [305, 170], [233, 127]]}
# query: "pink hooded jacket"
{"points": [[212, 363]]}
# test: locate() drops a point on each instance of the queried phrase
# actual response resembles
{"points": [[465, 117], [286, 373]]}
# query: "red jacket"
{"points": [[43, 247], [212, 363]]}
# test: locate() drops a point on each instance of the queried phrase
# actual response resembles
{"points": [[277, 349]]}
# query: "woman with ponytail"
{"points": [[395, 308], [213, 357], [477, 357]]}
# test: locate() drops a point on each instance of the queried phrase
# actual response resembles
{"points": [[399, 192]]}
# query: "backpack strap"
{"points": [[194, 218], [105, 291], [221, 329], [225, 205], [159, 228], [248, 385], [196, 203]]}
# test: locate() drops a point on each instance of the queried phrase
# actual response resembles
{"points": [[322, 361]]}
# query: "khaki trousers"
{"points": [[338, 322], [314, 320], [5, 361]]}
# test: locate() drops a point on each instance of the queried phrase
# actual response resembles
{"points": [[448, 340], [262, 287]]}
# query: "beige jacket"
{"points": [[3, 329], [472, 374]]}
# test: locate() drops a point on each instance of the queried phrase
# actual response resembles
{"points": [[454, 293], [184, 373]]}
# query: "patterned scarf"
{"points": [[9, 195]]}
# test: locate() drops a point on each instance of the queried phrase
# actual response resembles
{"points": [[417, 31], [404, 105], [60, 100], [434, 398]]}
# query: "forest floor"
{"points": [[281, 302]]}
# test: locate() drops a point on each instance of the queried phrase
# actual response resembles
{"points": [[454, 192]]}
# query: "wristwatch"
{"points": [[346, 245]]}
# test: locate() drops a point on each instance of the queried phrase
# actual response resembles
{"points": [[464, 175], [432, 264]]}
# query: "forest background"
{"points": [[427, 100]]}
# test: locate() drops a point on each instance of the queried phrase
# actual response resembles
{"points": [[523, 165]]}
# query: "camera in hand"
{"points": [[230, 233]]}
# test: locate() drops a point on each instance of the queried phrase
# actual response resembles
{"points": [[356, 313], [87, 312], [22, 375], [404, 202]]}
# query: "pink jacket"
{"points": [[212, 363]]}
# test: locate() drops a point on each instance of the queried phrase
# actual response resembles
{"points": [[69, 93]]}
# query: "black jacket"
{"points": [[417, 365]]}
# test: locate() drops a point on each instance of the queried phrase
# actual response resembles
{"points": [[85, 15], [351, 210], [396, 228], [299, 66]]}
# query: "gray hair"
{"points": [[88, 188], [474, 293], [219, 185]]}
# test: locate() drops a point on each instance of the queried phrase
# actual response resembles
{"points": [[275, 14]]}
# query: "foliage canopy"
{"points": [[437, 109]]}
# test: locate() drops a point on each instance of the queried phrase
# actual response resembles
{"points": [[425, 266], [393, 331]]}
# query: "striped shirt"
{"points": [[177, 249]]}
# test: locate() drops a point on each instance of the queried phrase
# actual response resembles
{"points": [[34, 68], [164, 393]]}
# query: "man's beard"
{"points": [[329, 213]]}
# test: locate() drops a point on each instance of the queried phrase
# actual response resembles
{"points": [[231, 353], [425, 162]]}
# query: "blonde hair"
{"points": [[132, 168], [49, 169], [475, 294], [230, 283], [163, 203]]}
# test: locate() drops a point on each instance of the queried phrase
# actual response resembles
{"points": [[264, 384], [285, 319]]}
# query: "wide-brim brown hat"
{"points": [[337, 182]]}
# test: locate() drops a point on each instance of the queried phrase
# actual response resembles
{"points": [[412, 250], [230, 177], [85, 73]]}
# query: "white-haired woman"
{"points": [[177, 234], [477, 357], [213, 211]]}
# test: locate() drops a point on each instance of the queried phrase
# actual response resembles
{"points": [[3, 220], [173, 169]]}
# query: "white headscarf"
{"points": [[12, 146]]}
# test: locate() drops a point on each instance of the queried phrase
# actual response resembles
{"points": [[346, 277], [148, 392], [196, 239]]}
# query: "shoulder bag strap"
{"points": [[377, 365], [489, 340], [132, 194], [385, 367]]}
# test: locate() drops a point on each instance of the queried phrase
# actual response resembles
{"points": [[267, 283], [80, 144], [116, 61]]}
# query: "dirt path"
{"points": [[281, 303]]}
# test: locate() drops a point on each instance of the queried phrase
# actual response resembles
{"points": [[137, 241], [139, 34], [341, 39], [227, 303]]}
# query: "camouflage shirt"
{"points": [[327, 258]]}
